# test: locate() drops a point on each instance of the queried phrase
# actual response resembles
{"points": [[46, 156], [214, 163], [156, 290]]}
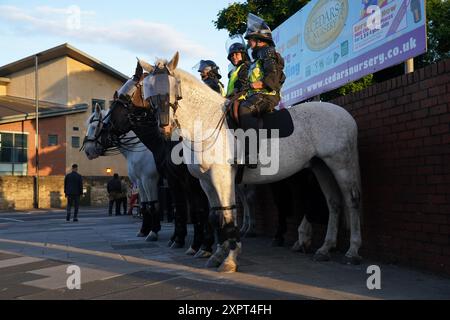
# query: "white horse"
{"points": [[141, 164], [324, 139]]}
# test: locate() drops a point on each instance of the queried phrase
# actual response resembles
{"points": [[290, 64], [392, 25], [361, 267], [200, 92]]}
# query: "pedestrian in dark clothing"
{"points": [[114, 188], [124, 195], [73, 189]]}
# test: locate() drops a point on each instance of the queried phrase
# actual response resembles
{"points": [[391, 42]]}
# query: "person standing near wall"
{"points": [[73, 189], [114, 189], [124, 195]]}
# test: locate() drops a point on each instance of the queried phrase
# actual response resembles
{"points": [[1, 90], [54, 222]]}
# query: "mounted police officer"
{"points": [[238, 77], [265, 76], [209, 72]]}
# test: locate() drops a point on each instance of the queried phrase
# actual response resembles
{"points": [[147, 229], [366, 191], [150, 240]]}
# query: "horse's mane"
{"points": [[198, 90]]}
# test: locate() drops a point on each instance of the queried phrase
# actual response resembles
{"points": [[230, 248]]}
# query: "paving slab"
{"points": [[35, 254]]}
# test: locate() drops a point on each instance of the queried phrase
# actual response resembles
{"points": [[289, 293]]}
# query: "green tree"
{"points": [[274, 12], [438, 31]]}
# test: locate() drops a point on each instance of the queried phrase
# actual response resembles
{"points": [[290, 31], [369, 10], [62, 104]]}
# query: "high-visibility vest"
{"points": [[256, 74], [232, 81]]}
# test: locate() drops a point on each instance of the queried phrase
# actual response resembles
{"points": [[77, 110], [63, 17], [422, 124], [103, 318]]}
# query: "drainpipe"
{"points": [[36, 81]]}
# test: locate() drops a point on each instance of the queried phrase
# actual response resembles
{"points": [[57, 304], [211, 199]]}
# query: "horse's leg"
{"points": [[304, 237], [208, 232], [219, 255], [176, 191], [246, 216], [196, 212], [348, 177], [332, 195], [222, 179], [281, 192], [250, 197], [146, 219], [151, 185], [207, 228]]}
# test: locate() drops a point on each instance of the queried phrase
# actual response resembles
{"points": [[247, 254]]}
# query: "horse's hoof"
{"points": [[296, 247], [320, 257], [152, 237], [228, 267], [177, 245], [141, 235], [353, 260], [213, 262], [191, 252], [278, 242], [302, 248], [202, 254]]}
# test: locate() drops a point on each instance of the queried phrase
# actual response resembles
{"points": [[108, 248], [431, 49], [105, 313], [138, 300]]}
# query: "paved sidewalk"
{"points": [[37, 247]]}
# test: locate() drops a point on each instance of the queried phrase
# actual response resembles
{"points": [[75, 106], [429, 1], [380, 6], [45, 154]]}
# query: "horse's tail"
{"points": [[356, 188]]}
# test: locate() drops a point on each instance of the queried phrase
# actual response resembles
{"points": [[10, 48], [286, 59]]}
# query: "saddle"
{"points": [[276, 119]]}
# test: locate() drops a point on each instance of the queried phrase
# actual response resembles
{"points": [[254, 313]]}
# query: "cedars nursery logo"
{"points": [[325, 23]]}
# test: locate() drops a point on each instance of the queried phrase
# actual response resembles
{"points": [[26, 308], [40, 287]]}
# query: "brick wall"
{"points": [[16, 193], [404, 146]]}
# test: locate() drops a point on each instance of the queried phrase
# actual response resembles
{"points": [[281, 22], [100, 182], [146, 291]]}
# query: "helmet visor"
{"points": [[237, 38], [256, 24], [204, 65]]}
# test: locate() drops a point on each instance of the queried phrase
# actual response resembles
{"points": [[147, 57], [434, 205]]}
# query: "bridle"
{"points": [[162, 101], [98, 130], [115, 135]]}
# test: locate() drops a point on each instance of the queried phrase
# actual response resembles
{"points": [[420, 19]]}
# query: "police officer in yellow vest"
{"points": [[210, 75], [265, 74], [238, 77]]}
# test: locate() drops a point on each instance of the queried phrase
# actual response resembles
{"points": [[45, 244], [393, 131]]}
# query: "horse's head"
{"points": [[105, 129], [96, 142], [162, 89]]}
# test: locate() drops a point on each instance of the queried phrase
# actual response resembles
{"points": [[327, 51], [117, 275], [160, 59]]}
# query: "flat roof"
{"points": [[57, 52], [15, 109]]}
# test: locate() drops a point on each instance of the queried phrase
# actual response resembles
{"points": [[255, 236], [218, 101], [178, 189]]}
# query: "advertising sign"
{"points": [[332, 42]]}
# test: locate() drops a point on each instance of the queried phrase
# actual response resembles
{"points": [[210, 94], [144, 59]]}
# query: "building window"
{"points": [[13, 154], [52, 140], [75, 142], [76, 129], [101, 103]]}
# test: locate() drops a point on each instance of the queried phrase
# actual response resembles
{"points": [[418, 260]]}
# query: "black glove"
{"points": [[138, 72]]}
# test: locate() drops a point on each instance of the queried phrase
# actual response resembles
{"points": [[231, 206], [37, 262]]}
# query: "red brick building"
{"points": [[18, 136]]}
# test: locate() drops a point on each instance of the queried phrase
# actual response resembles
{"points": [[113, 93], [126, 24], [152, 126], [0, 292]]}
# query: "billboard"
{"points": [[332, 42]]}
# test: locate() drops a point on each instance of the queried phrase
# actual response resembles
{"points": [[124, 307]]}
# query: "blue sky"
{"points": [[115, 32]]}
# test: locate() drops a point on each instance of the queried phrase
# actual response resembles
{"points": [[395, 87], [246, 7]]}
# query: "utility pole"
{"points": [[36, 81]]}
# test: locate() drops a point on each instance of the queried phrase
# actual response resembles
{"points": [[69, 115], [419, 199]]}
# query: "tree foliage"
{"points": [[274, 12]]}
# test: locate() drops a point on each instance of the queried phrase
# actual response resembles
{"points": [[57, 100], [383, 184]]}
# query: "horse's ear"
{"points": [[146, 66], [172, 65], [116, 96], [98, 110]]}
